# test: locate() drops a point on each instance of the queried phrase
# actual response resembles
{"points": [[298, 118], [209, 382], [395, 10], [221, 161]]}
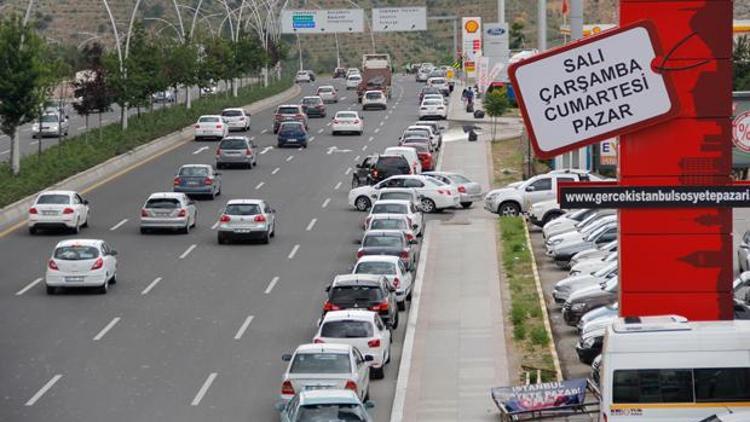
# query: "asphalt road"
{"points": [[166, 342], [30, 145]]}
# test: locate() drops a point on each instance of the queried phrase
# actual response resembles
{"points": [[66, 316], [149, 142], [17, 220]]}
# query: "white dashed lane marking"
{"points": [[326, 202], [276, 170], [187, 251], [293, 252], [29, 286], [151, 286], [43, 390], [106, 329], [271, 285], [311, 224], [118, 225], [204, 389]]}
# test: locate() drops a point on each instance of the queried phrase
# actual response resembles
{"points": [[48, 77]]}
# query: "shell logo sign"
{"points": [[471, 26]]}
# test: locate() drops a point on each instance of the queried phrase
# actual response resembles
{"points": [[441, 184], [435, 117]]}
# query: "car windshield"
{"points": [[209, 120], [375, 267], [438, 81], [457, 178], [355, 78], [346, 116], [231, 113], [242, 209], [417, 132], [373, 95], [54, 199], [346, 329], [288, 110], [602, 272], [49, 118], [301, 73], [382, 242], [417, 146], [355, 293], [311, 101], [595, 233], [393, 163], [399, 196], [431, 90], [390, 209], [388, 224], [163, 203], [293, 128], [320, 363], [76, 253], [194, 171], [325, 89], [233, 143], [432, 102], [331, 412]]}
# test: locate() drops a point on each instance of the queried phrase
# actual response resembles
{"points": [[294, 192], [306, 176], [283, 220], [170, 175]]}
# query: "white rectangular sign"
{"points": [[390, 19], [321, 21], [496, 47], [591, 90]]}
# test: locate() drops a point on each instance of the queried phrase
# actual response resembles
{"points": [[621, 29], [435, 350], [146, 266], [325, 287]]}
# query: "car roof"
{"points": [[84, 242], [384, 233], [326, 86], [392, 201], [347, 112], [323, 348], [388, 217], [295, 123], [244, 201], [210, 115], [313, 397], [196, 165], [57, 192], [244, 138], [234, 109], [374, 90], [353, 279], [159, 195], [360, 314], [317, 97], [378, 258], [288, 105]]}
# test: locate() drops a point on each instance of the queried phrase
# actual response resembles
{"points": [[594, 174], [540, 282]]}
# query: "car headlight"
{"points": [[577, 307], [576, 272], [491, 196], [588, 342], [556, 241]]}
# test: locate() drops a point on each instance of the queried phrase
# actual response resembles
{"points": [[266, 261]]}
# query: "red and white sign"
{"points": [[471, 34], [592, 89], [741, 131]]}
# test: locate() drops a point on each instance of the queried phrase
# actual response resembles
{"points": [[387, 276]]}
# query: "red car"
{"points": [[424, 154]]}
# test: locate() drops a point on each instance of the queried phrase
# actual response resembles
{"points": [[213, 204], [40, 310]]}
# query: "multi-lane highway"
{"points": [[192, 331]]}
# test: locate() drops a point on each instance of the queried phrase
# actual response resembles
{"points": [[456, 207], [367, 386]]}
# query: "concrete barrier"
{"points": [[14, 215]]}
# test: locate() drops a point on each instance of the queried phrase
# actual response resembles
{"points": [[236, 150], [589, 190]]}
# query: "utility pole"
{"points": [[541, 25], [299, 47], [576, 19], [501, 11]]}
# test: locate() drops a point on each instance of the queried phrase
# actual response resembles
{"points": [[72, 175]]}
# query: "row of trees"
{"points": [[152, 63]]}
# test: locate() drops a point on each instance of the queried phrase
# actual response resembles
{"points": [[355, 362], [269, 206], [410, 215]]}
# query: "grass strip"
{"points": [[81, 152], [529, 333]]}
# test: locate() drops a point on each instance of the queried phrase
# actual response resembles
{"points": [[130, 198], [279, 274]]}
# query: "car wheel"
{"points": [[377, 373], [186, 229], [408, 295], [144, 230], [219, 166], [221, 239], [86, 222], [509, 209], [395, 321], [304, 145], [51, 290], [401, 305], [77, 228], [266, 238], [362, 203], [466, 204], [113, 280], [104, 288], [428, 205], [273, 230], [32, 230]]}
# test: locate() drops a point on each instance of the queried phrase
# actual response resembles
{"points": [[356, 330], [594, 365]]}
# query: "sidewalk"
{"points": [[457, 111], [455, 347]]}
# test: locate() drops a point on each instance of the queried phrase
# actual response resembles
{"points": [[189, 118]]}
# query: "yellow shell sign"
{"points": [[471, 26]]}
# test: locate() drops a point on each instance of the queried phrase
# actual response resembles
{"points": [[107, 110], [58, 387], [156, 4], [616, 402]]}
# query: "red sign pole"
{"points": [[679, 261]]}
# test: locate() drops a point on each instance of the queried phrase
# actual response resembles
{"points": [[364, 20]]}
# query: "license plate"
{"points": [[291, 140], [242, 231], [49, 212], [319, 387], [192, 183], [74, 279]]}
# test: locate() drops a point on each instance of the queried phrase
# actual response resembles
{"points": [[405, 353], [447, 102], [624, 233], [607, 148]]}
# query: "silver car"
{"points": [[468, 190], [168, 210], [236, 150], [247, 219]]}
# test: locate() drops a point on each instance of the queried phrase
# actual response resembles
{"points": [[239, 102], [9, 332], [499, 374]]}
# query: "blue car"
{"points": [[198, 179], [325, 405], [292, 133]]}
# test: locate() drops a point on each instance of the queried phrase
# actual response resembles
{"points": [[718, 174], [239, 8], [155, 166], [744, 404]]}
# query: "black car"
{"points": [[363, 291], [590, 346], [387, 166], [339, 72], [389, 242], [314, 106], [361, 175]]}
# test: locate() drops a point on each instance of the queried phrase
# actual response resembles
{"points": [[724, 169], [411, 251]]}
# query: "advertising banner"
{"points": [[471, 36], [548, 395], [496, 47]]}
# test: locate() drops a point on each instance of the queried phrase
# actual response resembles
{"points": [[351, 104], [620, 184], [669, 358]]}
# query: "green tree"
{"points": [[25, 80], [517, 37], [179, 66], [91, 91], [495, 104], [741, 68]]}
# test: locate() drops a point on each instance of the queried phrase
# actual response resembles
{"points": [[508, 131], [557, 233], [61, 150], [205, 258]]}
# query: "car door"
{"points": [[81, 207], [383, 332], [363, 170], [216, 176], [418, 186], [405, 276], [110, 262], [417, 217], [270, 215], [189, 205], [539, 190], [362, 371]]}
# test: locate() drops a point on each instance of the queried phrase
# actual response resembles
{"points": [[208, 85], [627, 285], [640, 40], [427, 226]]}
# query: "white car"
{"points": [[81, 263], [326, 366], [50, 124], [327, 93], [434, 194], [513, 200], [211, 127], [361, 329], [433, 109], [594, 253], [438, 97], [391, 222], [353, 81], [403, 194], [543, 212], [347, 121], [410, 154], [468, 190], [393, 268], [439, 83], [352, 71], [374, 99], [246, 219], [236, 119], [302, 76], [399, 207], [59, 209], [589, 266], [168, 210]]}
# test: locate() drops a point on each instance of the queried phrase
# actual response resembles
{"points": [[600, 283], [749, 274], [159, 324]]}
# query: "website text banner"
{"points": [[730, 196]]}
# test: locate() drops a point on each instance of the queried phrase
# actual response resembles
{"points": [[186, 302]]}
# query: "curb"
{"points": [[14, 215], [540, 293]]}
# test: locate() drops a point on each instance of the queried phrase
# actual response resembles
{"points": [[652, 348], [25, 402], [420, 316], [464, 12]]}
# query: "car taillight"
{"points": [[335, 122], [260, 218], [249, 152], [351, 385], [98, 263], [444, 192], [396, 282], [287, 388], [182, 213], [219, 126], [404, 254], [144, 212], [356, 122], [177, 181], [52, 265], [68, 211], [197, 126], [208, 182], [374, 343], [360, 253], [33, 211], [318, 341], [218, 151], [382, 306], [224, 218], [299, 116], [462, 189], [409, 236], [374, 173], [328, 306]]}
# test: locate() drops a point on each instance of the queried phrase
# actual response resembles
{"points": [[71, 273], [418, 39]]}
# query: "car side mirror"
{"points": [[85, 202], [744, 245], [218, 173], [113, 252], [530, 189], [391, 288], [328, 288], [369, 358], [286, 357], [279, 406], [369, 404], [413, 241]]}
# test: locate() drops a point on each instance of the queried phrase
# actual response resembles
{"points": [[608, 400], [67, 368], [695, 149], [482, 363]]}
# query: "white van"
{"points": [[659, 369], [410, 154]]}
